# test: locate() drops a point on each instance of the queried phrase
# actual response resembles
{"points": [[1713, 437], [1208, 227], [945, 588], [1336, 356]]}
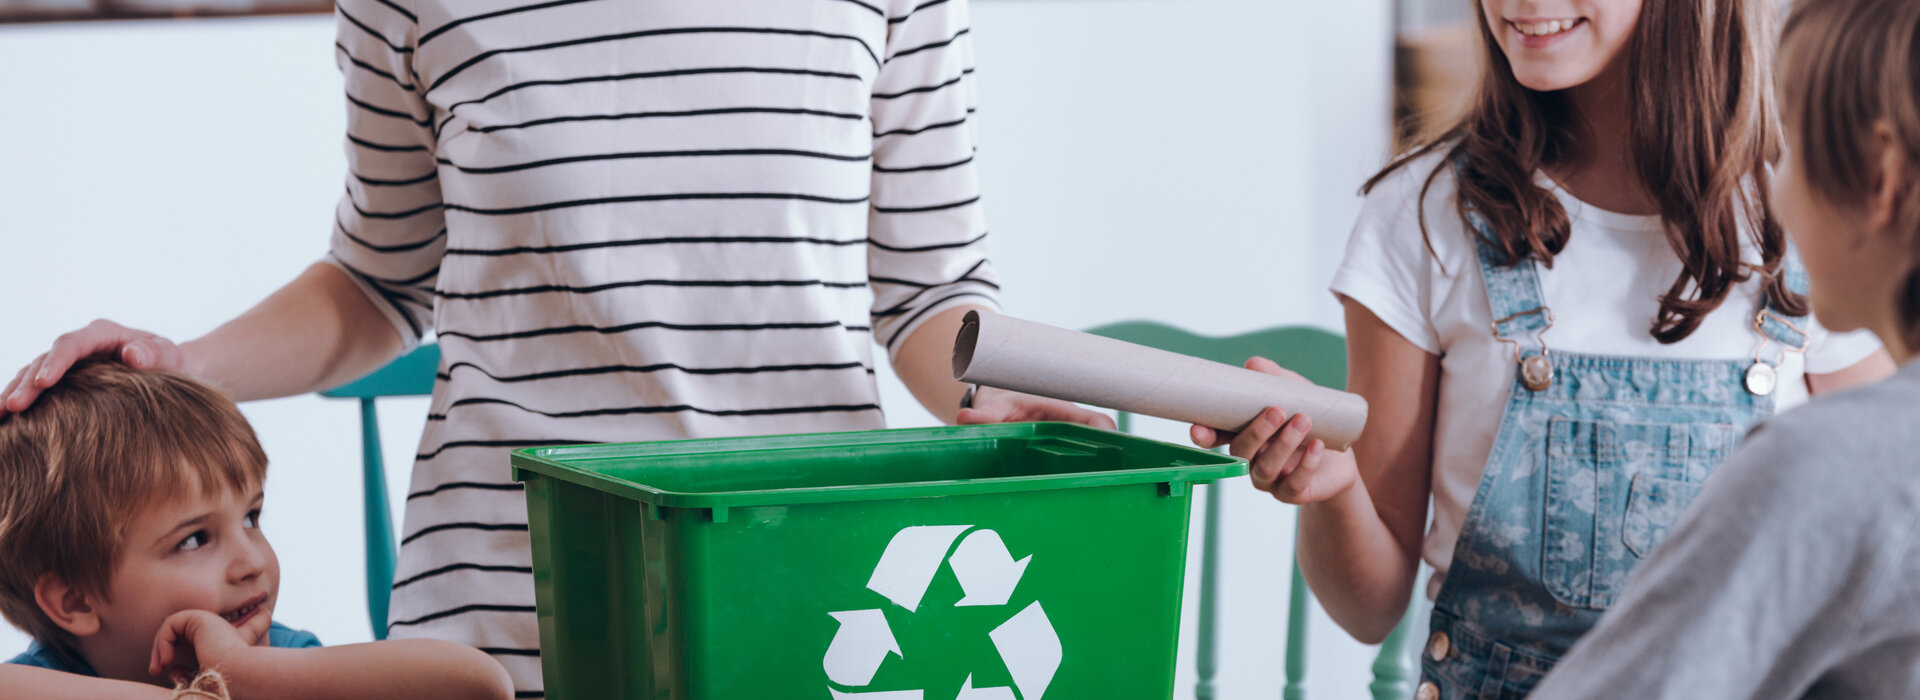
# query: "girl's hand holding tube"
{"points": [[1280, 459]]}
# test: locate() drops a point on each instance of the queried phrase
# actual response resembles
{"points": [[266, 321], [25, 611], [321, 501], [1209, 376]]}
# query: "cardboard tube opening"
{"points": [[963, 344]]}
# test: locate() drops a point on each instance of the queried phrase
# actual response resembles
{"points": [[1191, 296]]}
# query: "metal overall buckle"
{"points": [[1536, 372], [1762, 376]]}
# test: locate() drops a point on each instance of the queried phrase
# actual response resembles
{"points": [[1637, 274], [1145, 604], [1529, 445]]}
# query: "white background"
{"points": [[1189, 161]]}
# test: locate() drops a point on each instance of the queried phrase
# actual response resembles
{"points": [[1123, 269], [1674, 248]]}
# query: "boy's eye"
{"points": [[253, 519], [193, 541]]}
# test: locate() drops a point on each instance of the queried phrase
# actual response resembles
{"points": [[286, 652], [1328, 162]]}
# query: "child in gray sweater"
{"points": [[1797, 573]]}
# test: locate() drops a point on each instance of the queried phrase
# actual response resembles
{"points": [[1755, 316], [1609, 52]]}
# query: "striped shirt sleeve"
{"points": [[389, 231], [927, 235]]}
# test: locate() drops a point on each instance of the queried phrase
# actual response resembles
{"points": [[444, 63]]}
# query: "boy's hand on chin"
{"points": [[192, 640]]}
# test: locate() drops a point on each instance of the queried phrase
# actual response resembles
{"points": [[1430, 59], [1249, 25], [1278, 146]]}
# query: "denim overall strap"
{"points": [[1586, 475], [1781, 335], [1773, 323], [1519, 308]]}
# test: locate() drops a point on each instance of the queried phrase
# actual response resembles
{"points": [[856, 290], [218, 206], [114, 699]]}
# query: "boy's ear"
{"points": [[72, 610], [1893, 180]]}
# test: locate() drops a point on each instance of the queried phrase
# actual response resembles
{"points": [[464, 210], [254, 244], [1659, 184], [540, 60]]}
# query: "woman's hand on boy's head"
{"points": [[190, 641], [137, 348]]}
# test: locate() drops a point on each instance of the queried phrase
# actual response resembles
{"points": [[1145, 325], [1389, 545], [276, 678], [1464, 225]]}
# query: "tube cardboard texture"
{"points": [[1034, 358]]}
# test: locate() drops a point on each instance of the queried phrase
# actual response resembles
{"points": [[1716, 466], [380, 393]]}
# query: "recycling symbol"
{"points": [[987, 574]]}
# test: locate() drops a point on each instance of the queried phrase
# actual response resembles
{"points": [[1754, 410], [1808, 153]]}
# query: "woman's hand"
{"points": [[1280, 459], [137, 348], [992, 405]]}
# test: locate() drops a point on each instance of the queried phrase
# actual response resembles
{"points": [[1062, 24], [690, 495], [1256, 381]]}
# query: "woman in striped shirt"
{"points": [[623, 221]]}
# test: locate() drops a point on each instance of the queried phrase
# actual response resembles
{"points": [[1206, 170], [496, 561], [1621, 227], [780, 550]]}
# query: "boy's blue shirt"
{"points": [[277, 636]]}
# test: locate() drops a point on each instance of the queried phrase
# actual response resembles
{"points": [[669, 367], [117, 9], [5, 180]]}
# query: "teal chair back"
{"points": [[1321, 357], [411, 375]]}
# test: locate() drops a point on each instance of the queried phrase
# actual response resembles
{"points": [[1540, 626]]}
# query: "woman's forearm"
{"points": [[925, 363], [317, 332]]}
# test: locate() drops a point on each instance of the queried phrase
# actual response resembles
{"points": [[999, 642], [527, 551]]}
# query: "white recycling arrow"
{"points": [[882, 695], [968, 692], [912, 558], [1031, 650], [863, 642], [987, 571]]}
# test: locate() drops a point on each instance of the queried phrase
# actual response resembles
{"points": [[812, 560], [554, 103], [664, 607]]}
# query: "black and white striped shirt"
{"points": [[639, 220]]}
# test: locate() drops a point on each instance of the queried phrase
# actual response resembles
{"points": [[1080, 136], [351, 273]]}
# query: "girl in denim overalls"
{"points": [[1555, 376]]}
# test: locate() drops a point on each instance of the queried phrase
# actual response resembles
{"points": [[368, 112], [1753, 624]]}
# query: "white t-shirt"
{"points": [[1604, 290]]}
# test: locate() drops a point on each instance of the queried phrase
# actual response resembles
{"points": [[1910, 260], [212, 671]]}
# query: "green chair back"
{"points": [[410, 375], [1321, 357]]}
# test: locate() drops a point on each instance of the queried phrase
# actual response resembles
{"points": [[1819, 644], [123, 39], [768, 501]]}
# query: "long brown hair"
{"points": [[1844, 68], [1703, 128]]}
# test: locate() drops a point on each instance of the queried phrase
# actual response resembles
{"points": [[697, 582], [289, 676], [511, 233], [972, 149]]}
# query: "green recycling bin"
{"points": [[1000, 562]]}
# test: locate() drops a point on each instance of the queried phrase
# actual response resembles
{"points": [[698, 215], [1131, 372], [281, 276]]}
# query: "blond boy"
{"points": [[130, 531]]}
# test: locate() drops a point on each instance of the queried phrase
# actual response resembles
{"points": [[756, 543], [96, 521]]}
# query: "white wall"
{"points": [[1189, 161]]}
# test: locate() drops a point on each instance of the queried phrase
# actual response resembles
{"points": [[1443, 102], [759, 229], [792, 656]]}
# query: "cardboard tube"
{"points": [[1034, 358]]}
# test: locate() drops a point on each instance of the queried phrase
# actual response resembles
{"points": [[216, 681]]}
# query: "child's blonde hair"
{"points": [[77, 466], [1847, 66]]}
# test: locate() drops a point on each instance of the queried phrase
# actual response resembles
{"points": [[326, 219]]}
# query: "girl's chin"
{"points": [[1543, 81]]}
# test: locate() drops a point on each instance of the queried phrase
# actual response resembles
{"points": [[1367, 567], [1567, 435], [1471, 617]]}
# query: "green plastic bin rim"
{"points": [[573, 463]]}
